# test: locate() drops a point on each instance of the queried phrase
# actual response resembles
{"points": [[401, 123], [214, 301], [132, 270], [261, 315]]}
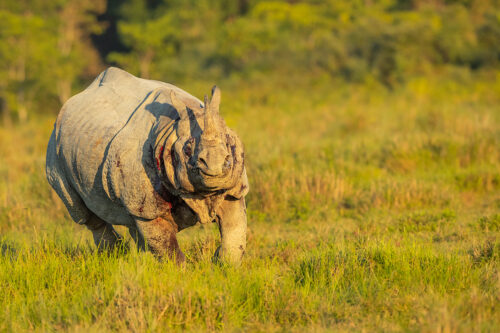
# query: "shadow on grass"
{"points": [[12, 250], [8, 249]]}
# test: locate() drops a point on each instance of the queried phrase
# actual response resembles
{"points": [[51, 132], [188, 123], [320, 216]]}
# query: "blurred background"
{"points": [[49, 50]]}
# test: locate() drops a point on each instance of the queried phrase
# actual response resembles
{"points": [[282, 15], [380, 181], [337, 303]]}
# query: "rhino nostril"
{"points": [[202, 161]]}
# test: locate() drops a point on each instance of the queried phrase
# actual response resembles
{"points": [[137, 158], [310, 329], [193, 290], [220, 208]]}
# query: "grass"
{"points": [[369, 210]]}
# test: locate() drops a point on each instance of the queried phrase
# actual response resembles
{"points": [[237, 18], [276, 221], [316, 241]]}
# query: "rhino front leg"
{"points": [[160, 238], [105, 236], [233, 230]]}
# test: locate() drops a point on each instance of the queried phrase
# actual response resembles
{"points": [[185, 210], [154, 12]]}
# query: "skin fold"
{"points": [[149, 156]]}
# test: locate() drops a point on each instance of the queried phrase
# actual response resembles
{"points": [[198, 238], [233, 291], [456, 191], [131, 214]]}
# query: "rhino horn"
{"points": [[210, 128], [215, 100], [183, 125]]}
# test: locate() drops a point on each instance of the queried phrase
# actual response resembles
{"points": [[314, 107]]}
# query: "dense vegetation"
{"points": [[51, 49], [372, 135]]}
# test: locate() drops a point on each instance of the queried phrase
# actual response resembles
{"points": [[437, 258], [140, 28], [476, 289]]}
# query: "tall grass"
{"points": [[369, 210]]}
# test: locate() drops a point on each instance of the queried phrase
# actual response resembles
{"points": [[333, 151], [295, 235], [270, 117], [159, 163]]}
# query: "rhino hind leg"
{"points": [[57, 179], [105, 236], [160, 238]]}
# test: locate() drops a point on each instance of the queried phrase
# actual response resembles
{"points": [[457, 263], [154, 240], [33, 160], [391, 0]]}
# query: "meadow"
{"points": [[370, 209]]}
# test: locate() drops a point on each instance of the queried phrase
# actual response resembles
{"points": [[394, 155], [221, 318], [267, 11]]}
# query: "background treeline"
{"points": [[51, 49]]}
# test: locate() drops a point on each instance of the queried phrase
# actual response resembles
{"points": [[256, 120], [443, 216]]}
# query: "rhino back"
{"points": [[97, 123]]}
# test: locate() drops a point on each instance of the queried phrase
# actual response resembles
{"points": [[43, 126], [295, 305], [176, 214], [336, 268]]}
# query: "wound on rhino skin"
{"points": [[162, 197], [158, 159]]}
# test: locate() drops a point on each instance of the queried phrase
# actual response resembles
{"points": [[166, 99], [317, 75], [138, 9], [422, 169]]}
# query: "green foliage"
{"points": [[488, 223], [359, 40], [45, 51], [48, 54], [423, 221], [149, 35]]}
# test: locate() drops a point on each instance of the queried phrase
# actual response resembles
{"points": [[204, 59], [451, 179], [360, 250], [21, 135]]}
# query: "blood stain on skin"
{"points": [[141, 208], [163, 198]]}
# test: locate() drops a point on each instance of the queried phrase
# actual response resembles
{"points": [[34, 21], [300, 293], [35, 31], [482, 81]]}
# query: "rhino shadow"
{"points": [[8, 249]]}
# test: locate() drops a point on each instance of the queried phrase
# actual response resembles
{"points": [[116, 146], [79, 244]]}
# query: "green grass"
{"points": [[369, 210]]}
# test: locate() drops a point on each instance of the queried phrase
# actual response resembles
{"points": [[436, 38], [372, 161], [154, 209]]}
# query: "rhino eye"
{"points": [[227, 163], [187, 151]]}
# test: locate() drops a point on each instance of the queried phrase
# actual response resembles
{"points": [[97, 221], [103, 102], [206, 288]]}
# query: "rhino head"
{"points": [[202, 146]]}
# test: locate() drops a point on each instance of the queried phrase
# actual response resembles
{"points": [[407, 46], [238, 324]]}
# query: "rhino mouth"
{"points": [[210, 175], [213, 174], [210, 182]]}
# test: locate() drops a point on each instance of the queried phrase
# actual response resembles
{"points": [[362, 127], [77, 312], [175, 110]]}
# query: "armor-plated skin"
{"points": [[147, 155]]}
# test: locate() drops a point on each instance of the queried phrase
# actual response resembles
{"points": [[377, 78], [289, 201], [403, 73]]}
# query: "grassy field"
{"points": [[369, 209]]}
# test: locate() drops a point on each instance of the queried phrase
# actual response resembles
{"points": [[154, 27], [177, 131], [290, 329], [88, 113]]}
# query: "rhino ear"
{"points": [[178, 105], [215, 100], [183, 125]]}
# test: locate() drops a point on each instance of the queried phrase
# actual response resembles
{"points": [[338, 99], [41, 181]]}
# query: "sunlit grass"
{"points": [[369, 209]]}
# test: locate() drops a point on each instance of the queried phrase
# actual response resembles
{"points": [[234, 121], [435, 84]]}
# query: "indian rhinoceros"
{"points": [[149, 156]]}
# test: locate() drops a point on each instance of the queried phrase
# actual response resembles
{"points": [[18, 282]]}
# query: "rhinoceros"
{"points": [[149, 156]]}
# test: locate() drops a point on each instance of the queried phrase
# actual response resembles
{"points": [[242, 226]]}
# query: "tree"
{"points": [[149, 41], [45, 49]]}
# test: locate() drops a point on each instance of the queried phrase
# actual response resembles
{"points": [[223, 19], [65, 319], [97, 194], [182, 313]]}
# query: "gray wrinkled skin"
{"points": [[147, 155]]}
